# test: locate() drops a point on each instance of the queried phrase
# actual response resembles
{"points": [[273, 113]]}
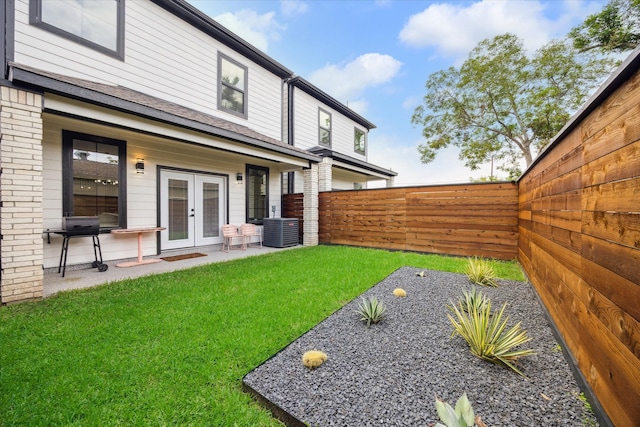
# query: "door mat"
{"points": [[185, 256]]}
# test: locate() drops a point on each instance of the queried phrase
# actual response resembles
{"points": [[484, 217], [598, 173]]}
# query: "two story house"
{"points": [[149, 113]]}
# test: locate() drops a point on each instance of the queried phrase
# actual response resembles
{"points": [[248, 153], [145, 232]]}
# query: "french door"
{"points": [[192, 209]]}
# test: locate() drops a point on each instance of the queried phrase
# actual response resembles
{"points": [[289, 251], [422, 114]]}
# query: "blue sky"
{"points": [[375, 56]]}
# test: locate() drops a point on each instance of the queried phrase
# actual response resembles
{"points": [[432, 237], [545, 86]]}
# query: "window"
{"points": [[324, 128], [98, 24], [94, 178], [232, 86], [257, 194], [359, 141]]}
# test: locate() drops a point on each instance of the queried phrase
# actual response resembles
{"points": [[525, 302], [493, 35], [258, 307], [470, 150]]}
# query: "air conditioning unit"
{"points": [[280, 232]]}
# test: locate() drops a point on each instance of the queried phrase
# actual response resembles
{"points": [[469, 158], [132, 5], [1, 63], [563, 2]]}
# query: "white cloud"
{"points": [[456, 28], [388, 152], [411, 102], [347, 82], [257, 29], [293, 7]]}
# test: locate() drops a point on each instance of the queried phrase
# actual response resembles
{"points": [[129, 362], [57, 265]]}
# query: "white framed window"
{"points": [[359, 141], [98, 24], [232, 86], [324, 128]]}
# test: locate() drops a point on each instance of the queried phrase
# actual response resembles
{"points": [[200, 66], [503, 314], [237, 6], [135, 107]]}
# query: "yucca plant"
{"points": [[371, 310], [486, 334], [480, 272], [473, 299]]}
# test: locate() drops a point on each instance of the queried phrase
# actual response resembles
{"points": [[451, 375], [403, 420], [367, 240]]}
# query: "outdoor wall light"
{"points": [[239, 178], [140, 166]]}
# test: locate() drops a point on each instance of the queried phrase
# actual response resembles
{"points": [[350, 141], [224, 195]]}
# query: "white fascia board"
{"points": [[366, 172]]}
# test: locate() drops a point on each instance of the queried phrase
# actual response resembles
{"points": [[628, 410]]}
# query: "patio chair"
{"points": [[249, 231], [230, 232]]}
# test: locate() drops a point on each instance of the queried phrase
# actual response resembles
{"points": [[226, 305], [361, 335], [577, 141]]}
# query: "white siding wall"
{"points": [[306, 126], [141, 189], [164, 57]]}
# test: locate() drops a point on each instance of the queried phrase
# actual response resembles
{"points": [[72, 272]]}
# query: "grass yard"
{"points": [[171, 349]]}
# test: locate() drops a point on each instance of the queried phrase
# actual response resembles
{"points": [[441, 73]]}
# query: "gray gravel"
{"points": [[390, 373]]}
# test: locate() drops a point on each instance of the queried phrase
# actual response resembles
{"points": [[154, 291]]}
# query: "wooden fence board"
{"points": [[623, 228]]}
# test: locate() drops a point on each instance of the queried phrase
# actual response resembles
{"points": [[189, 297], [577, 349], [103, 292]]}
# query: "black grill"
{"points": [[80, 226]]}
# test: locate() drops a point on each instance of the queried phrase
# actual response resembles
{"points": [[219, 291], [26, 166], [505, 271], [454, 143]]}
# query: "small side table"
{"points": [[139, 232]]}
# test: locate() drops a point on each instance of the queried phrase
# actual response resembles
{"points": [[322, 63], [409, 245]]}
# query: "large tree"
{"points": [[616, 28], [501, 104]]}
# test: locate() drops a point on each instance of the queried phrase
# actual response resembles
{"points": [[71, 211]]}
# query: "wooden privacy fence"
{"points": [[293, 207], [580, 244], [468, 220], [572, 220]]}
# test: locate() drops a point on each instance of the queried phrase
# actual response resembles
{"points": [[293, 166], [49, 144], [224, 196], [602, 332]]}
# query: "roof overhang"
{"points": [[352, 164], [310, 89], [149, 108]]}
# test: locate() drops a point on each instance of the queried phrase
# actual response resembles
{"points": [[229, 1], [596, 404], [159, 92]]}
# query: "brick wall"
{"points": [[21, 195]]}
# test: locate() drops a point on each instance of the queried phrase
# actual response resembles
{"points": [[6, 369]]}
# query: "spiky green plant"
{"points": [[371, 310], [486, 334], [480, 272], [473, 299], [460, 416]]}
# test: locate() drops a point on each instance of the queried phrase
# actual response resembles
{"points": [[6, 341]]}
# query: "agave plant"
{"points": [[371, 310], [480, 272], [460, 416], [472, 300], [486, 334]]}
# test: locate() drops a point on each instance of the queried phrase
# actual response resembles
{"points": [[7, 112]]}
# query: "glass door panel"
{"points": [[209, 209], [178, 209]]}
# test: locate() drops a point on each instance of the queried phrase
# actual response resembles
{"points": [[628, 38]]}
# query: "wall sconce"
{"points": [[239, 178], [140, 166]]}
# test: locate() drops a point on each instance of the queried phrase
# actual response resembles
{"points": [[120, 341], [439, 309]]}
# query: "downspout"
{"points": [[290, 128]]}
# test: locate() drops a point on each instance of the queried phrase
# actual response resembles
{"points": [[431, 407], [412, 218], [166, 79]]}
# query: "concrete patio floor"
{"points": [[84, 276]]}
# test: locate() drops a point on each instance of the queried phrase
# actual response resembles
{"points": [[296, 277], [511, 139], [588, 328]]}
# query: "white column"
{"points": [[325, 176], [310, 216]]}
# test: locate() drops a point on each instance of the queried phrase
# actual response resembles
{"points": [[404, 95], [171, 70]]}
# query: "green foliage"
{"points": [[616, 28], [371, 310], [504, 105], [473, 300], [460, 416], [480, 272], [486, 334]]}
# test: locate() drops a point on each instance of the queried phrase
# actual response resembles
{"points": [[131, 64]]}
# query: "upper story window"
{"points": [[98, 24], [359, 141], [324, 128], [94, 178], [232, 86]]}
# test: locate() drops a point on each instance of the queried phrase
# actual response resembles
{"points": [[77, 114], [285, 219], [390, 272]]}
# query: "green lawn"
{"points": [[171, 349]]}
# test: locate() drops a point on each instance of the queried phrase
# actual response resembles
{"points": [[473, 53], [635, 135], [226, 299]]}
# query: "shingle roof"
{"points": [[135, 102]]}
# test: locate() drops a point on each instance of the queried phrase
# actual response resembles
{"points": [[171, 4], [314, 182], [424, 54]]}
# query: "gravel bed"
{"points": [[390, 373]]}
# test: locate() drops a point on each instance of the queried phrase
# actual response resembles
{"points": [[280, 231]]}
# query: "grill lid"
{"points": [[81, 225]]}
